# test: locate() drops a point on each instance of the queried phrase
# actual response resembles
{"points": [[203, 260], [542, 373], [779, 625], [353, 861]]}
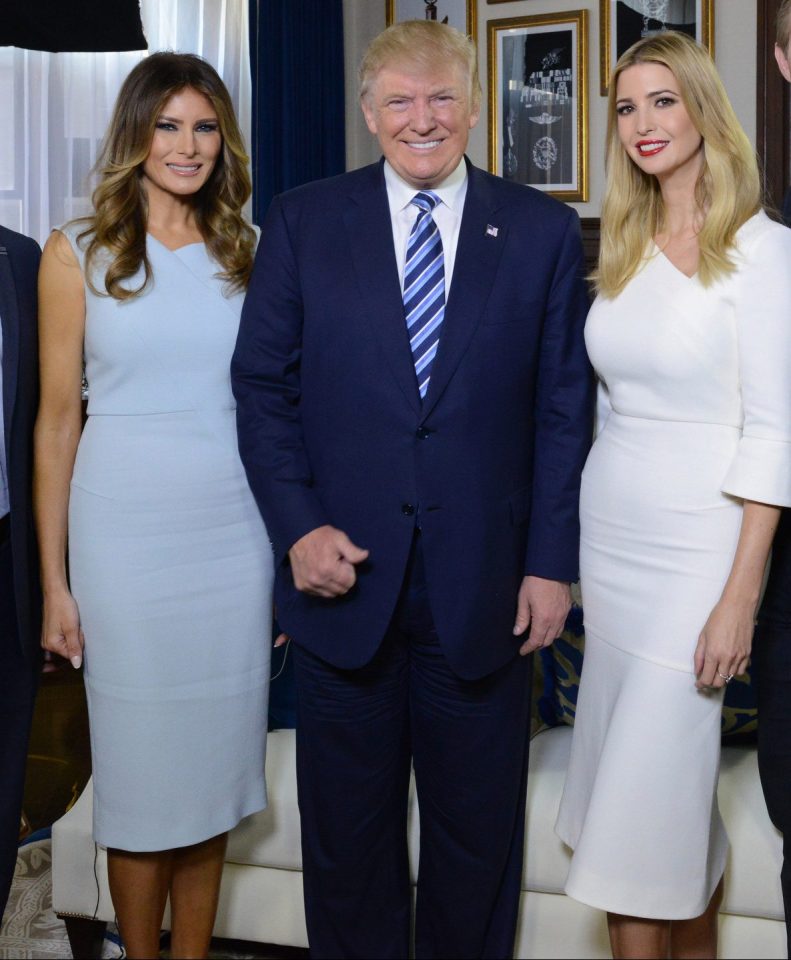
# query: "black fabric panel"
{"points": [[776, 607], [71, 25]]}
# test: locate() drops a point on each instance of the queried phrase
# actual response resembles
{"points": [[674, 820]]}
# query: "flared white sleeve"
{"points": [[761, 468]]}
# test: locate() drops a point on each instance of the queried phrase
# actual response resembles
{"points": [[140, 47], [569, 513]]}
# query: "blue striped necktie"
{"points": [[424, 288]]}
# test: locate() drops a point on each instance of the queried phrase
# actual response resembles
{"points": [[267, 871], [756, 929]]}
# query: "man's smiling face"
{"points": [[422, 119]]}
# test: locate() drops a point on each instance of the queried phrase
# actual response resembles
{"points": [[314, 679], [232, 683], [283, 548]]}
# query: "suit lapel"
{"points": [[367, 218], [481, 242], [9, 316]]}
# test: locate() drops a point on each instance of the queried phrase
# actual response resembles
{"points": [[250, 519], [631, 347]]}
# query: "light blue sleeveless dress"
{"points": [[170, 563]]}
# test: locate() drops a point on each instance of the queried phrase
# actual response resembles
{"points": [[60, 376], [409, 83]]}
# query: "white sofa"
{"points": [[261, 897]]}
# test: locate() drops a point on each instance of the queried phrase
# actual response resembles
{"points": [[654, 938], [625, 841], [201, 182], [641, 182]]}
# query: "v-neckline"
{"points": [[184, 246], [672, 265]]}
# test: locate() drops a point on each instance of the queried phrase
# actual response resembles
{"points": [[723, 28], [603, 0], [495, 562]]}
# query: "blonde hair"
{"points": [[728, 190], [783, 34], [425, 44], [117, 228]]}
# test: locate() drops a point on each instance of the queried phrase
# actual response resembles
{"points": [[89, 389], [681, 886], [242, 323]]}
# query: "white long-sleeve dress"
{"points": [[695, 417]]}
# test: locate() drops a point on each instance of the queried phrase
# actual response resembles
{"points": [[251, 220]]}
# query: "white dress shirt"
{"points": [[447, 215]]}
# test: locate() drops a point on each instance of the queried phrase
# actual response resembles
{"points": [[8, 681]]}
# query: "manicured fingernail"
{"points": [[76, 662]]}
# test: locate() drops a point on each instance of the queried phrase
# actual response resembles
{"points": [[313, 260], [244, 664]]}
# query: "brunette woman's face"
{"points": [[185, 147]]}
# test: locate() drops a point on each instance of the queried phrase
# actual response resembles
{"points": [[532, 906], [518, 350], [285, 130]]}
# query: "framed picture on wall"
{"points": [[461, 14], [624, 22], [538, 123]]}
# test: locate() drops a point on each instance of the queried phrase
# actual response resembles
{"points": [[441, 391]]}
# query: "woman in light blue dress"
{"points": [[170, 567]]}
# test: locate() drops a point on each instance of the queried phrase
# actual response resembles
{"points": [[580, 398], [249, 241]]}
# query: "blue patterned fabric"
{"points": [[562, 668]]}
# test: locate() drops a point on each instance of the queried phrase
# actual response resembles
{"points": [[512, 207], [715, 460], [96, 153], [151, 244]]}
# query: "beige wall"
{"points": [[735, 39]]}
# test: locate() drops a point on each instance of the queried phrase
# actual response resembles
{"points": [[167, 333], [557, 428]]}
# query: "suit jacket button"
{"points": [[407, 509], [422, 433]]}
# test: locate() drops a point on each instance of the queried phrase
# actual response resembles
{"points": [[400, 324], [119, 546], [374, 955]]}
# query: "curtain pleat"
{"points": [[298, 131]]}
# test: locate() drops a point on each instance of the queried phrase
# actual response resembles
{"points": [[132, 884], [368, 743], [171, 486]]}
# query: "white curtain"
{"points": [[55, 107]]}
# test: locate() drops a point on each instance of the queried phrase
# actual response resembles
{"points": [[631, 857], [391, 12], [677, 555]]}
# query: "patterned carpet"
{"points": [[30, 928], [31, 931]]}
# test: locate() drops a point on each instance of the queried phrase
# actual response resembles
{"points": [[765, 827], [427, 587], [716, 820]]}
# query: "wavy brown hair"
{"points": [[116, 232]]}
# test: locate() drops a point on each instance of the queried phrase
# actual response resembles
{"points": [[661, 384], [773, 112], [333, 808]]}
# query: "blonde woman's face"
{"points": [[185, 147], [653, 123]]}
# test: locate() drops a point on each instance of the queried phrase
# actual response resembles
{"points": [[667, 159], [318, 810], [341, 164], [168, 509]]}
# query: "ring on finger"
{"points": [[727, 677]]}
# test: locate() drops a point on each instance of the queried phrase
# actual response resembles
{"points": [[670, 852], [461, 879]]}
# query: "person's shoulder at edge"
{"points": [[9, 237], [759, 226]]}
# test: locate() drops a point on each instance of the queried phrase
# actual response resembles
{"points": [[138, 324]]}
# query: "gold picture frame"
{"points": [[454, 10], [538, 96], [611, 46]]}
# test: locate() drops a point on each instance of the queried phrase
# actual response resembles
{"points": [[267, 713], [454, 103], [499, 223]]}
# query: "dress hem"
{"points": [[625, 910], [223, 825]]}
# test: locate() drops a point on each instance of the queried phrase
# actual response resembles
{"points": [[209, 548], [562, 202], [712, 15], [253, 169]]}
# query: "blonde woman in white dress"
{"points": [[691, 338]]}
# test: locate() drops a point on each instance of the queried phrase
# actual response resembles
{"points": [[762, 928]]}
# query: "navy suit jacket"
{"points": [[19, 258], [332, 429]]}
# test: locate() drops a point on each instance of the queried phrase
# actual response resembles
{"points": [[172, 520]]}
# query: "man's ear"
{"points": [[369, 113], [782, 62]]}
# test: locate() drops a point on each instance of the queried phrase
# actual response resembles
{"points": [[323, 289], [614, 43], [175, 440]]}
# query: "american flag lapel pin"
{"points": [[491, 231]]}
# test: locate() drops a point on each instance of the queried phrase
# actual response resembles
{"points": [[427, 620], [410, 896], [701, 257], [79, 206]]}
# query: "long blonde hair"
{"points": [[728, 190], [117, 229]]}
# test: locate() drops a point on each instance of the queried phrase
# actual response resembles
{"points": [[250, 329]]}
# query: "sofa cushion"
{"points": [[753, 887], [271, 837]]}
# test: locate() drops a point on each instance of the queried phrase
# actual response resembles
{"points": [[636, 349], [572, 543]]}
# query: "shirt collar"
{"points": [[451, 191]]}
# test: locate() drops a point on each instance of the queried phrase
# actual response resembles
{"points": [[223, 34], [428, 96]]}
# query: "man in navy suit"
{"points": [[19, 596], [771, 664], [414, 409]]}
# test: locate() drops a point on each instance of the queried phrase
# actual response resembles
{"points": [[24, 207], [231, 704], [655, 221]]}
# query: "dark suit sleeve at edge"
{"points": [[564, 412], [265, 373]]}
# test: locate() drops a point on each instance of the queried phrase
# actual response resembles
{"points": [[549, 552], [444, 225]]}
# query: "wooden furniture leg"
{"points": [[85, 936]]}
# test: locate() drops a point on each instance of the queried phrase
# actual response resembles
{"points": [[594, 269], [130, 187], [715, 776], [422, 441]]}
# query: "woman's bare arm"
{"points": [[57, 433], [724, 645]]}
